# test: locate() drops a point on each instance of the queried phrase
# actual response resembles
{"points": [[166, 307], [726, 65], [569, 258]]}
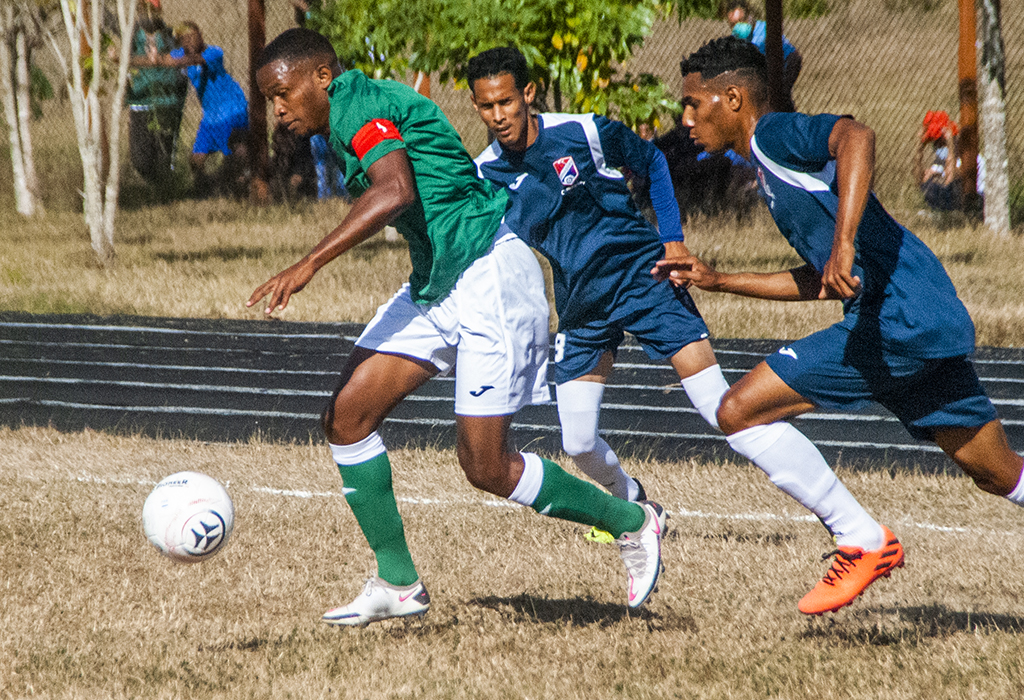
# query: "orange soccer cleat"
{"points": [[852, 571]]}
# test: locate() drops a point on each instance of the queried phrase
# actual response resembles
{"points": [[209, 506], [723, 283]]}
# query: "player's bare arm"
{"points": [[392, 191], [676, 249], [799, 284], [853, 146]]}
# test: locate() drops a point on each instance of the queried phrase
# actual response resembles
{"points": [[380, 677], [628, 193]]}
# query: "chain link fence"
{"points": [[886, 62]]}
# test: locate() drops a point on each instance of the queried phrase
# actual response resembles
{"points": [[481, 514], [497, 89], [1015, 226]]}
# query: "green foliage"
{"points": [[706, 9], [811, 9], [911, 5], [39, 90], [575, 48]]}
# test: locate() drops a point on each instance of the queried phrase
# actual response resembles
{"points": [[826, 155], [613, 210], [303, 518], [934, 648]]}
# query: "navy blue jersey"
{"points": [[568, 200], [907, 303]]}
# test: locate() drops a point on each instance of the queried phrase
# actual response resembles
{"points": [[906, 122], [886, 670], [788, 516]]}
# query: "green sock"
{"points": [[564, 496], [367, 488]]}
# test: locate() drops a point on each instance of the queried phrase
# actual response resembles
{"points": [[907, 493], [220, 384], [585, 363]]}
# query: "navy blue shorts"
{"points": [[664, 320], [835, 369]]}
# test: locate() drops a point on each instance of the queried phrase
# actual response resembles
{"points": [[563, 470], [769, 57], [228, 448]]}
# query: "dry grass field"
{"points": [[523, 606]]}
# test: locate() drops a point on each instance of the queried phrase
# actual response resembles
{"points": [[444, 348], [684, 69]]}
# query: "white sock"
{"points": [[706, 389], [530, 482], [796, 466], [579, 407], [358, 452], [1017, 495]]}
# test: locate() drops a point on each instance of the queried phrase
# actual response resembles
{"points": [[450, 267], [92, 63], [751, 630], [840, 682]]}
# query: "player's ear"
{"points": [[323, 75], [529, 93], [734, 96]]}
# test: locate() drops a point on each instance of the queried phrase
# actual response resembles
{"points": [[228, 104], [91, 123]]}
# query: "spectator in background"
{"points": [[292, 173], [235, 175], [741, 21], [330, 178], [225, 108], [155, 96], [937, 165]]}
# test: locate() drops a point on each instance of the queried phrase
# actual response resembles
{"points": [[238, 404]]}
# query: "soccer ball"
{"points": [[188, 517]]}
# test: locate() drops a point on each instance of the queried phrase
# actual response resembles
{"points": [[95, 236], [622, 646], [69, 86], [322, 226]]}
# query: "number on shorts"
{"points": [[559, 347]]}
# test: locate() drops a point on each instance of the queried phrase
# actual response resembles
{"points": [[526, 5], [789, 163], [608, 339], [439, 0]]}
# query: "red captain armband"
{"points": [[373, 132]]}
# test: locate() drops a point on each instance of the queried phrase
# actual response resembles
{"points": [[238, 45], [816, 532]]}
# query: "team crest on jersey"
{"points": [[765, 188], [567, 171]]}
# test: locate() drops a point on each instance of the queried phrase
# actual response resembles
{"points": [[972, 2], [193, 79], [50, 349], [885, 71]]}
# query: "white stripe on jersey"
{"points": [[586, 121], [811, 182], [486, 156]]}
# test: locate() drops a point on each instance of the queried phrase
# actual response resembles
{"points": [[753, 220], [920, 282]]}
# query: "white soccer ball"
{"points": [[188, 517]]}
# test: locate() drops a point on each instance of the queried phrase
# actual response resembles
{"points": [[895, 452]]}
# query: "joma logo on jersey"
{"points": [[566, 169]]}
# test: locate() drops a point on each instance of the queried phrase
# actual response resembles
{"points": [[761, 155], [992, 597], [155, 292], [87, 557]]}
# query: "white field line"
{"points": [[622, 365], [675, 512]]}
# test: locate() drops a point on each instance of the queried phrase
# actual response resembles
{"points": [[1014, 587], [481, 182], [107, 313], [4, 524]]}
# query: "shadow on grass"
{"points": [[893, 626], [580, 612], [218, 253]]}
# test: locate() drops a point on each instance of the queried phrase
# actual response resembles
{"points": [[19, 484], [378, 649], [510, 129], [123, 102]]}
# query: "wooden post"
{"points": [[259, 190], [422, 83], [773, 55], [968, 80]]}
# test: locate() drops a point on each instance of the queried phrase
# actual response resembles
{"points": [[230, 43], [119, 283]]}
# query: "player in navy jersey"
{"points": [[905, 338], [568, 200]]}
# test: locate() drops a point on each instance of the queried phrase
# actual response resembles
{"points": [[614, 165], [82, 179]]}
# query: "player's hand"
{"points": [[837, 279], [686, 271], [281, 286]]}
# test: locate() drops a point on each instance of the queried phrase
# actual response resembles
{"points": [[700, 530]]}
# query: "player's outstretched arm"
{"points": [[392, 191], [853, 146], [798, 284]]}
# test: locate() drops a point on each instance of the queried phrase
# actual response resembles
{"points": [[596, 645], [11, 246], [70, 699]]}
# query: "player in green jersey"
{"points": [[476, 291]]}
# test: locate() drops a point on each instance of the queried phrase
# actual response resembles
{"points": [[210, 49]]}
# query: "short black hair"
{"points": [[494, 62], [297, 44], [730, 5], [730, 54]]}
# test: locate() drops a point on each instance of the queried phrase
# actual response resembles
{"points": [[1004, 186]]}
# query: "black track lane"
{"points": [[228, 380]]}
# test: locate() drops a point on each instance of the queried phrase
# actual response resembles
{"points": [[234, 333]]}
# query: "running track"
{"points": [[228, 380]]}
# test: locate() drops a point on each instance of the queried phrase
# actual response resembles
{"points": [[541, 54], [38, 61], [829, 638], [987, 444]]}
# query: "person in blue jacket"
{"points": [[905, 339], [225, 108], [744, 26]]}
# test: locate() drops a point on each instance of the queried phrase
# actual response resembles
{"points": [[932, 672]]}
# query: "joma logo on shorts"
{"points": [[481, 390]]}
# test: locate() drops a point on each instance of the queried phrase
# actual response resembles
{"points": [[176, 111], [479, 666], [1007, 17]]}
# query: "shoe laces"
{"points": [[843, 564]]}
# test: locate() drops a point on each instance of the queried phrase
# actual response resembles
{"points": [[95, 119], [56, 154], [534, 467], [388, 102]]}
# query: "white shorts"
{"points": [[495, 321]]}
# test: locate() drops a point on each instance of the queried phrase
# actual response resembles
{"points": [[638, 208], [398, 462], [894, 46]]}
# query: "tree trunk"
{"points": [[23, 195], [993, 120], [23, 87], [98, 133]]}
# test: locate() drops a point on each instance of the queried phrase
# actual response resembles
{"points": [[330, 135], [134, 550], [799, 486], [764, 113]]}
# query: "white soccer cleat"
{"points": [[641, 553], [380, 601]]}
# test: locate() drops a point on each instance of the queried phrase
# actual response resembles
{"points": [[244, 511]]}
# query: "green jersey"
{"points": [[457, 215]]}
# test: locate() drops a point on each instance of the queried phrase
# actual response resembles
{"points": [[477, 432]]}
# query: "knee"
{"points": [[343, 426], [732, 414], [999, 481]]}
